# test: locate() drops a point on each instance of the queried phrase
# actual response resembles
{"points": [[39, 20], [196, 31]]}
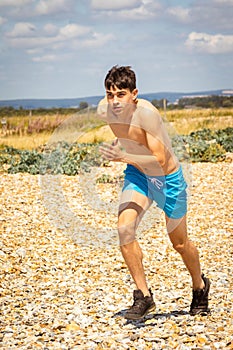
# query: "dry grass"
{"points": [[186, 121], [181, 121], [26, 141], [102, 134]]}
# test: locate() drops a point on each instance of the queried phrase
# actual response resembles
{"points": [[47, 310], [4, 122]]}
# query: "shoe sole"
{"points": [[135, 317], [200, 312]]}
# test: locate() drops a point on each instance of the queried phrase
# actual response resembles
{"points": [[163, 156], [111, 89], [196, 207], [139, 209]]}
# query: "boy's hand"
{"points": [[112, 152]]}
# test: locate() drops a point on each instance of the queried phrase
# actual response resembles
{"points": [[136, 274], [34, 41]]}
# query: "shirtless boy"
{"points": [[153, 173]]}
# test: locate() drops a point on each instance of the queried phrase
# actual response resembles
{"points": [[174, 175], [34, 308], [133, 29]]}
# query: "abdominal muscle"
{"points": [[151, 164]]}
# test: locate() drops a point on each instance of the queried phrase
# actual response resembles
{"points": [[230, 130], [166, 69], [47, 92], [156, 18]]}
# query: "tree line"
{"points": [[9, 111], [213, 101]]}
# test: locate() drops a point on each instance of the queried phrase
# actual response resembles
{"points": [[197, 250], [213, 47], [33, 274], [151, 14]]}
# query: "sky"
{"points": [[64, 48]]}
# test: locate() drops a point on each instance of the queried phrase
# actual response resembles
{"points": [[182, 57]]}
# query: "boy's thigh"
{"points": [[177, 229], [132, 207]]}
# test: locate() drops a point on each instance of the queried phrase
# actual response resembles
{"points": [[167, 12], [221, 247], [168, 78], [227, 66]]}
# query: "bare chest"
{"points": [[132, 138]]}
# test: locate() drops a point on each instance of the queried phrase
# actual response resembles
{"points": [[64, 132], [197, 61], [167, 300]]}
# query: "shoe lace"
{"points": [[138, 303]]}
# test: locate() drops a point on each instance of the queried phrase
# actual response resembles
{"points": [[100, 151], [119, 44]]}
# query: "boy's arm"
{"points": [[152, 158], [148, 161]]}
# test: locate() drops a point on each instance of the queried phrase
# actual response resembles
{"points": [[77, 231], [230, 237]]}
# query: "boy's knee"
{"points": [[126, 234], [180, 247]]}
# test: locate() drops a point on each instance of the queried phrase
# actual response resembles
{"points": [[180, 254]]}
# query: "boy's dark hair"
{"points": [[122, 77]]}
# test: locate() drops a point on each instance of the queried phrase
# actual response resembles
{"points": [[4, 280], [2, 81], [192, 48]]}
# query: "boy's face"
{"points": [[120, 100]]}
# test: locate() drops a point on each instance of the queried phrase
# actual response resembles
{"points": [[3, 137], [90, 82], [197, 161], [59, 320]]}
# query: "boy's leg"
{"points": [[132, 208], [177, 230]]}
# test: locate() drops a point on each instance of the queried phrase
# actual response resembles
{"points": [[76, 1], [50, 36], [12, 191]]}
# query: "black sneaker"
{"points": [[141, 306], [199, 305]]}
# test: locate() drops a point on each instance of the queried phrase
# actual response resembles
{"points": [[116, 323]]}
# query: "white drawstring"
{"points": [[156, 182]]}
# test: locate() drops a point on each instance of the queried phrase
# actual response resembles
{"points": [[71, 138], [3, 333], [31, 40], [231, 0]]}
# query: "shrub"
{"points": [[208, 145], [105, 178], [70, 159], [60, 158]]}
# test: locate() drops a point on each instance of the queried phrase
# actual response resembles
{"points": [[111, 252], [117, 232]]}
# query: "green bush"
{"points": [[205, 152], [209, 145], [105, 178], [225, 138], [70, 159], [60, 158]]}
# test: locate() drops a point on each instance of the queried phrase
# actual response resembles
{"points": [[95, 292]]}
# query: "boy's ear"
{"points": [[135, 94]]}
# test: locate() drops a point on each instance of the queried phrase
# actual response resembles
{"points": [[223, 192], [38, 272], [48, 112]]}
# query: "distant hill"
{"points": [[50, 103], [172, 97]]}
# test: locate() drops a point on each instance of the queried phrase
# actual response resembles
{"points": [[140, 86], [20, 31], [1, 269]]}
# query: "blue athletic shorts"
{"points": [[168, 191]]}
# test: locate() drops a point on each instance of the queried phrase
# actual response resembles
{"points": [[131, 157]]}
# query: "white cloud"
{"points": [[2, 20], [214, 44], [36, 42], [26, 35], [45, 58], [17, 3], [35, 51], [215, 15], [224, 2], [180, 13], [31, 43], [114, 5], [45, 7], [22, 29], [147, 10], [97, 40], [50, 29], [129, 10], [73, 31]]}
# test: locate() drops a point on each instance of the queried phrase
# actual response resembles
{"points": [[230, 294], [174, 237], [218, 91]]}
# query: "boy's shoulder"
{"points": [[102, 107], [103, 101], [146, 104]]}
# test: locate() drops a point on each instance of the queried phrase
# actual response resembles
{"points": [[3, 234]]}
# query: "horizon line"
{"points": [[223, 91]]}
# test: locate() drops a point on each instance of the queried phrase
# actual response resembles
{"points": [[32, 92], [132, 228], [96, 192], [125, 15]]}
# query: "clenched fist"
{"points": [[112, 152]]}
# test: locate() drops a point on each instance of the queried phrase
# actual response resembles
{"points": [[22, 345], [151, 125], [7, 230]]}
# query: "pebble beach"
{"points": [[63, 281]]}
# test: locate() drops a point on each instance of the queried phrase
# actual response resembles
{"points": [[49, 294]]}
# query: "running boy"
{"points": [[153, 173]]}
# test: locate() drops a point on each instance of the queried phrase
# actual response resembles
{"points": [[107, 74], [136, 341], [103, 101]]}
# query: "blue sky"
{"points": [[64, 48]]}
